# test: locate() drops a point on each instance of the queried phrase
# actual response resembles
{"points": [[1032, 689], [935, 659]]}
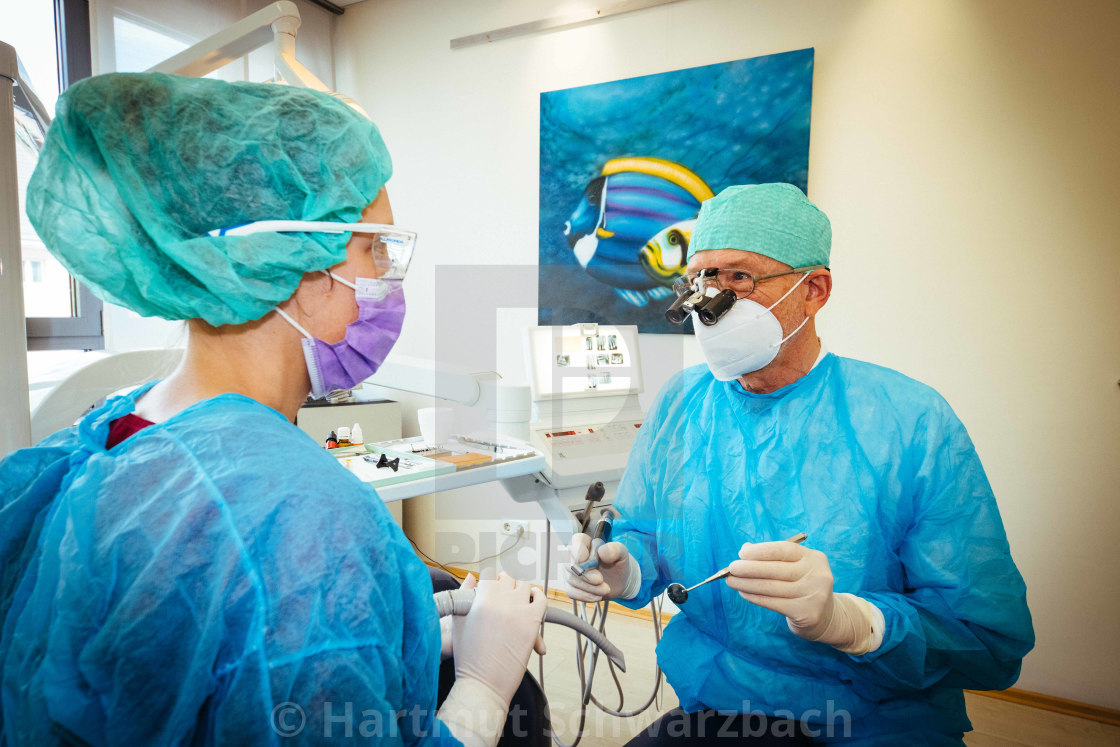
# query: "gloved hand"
{"points": [[796, 581], [617, 577], [446, 648], [445, 622], [493, 641]]}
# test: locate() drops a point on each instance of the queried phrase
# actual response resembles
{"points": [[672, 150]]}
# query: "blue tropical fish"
{"points": [[623, 210]]}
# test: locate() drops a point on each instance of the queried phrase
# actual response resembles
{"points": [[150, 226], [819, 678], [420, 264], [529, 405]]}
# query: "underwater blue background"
{"points": [[741, 122]]}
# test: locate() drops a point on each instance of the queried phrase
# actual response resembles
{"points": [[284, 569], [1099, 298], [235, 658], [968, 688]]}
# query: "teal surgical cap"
{"points": [[137, 168], [774, 220]]}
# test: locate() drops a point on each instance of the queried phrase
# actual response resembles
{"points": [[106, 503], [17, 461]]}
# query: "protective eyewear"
{"points": [[392, 247], [741, 282], [710, 293]]}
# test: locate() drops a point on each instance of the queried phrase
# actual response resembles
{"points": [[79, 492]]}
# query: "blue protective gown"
{"points": [[183, 586], [884, 478]]}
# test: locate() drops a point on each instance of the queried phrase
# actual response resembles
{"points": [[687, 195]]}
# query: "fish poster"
{"points": [[625, 165]]}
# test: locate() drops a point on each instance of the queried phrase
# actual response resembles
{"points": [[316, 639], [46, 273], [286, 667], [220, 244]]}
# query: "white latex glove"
{"points": [[796, 581], [617, 577], [445, 622], [493, 642], [446, 641]]}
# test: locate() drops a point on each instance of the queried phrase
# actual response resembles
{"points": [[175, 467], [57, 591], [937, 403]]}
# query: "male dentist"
{"points": [[905, 592]]}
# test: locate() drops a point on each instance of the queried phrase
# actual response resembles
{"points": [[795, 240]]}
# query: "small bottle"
{"points": [[343, 436], [356, 434], [332, 441]]}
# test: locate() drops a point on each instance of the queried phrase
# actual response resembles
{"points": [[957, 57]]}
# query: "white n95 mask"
{"points": [[745, 339]]}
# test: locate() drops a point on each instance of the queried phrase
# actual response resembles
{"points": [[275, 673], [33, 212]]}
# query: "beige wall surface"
{"points": [[966, 153]]}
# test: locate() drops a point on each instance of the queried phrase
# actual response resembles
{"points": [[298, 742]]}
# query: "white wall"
{"points": [[966, 152]]}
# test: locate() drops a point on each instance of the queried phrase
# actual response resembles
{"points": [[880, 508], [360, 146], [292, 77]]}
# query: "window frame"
{"points": [[83, 329]]}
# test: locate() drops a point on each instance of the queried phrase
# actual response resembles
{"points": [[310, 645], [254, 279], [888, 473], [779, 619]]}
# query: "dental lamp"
{"points": [[276, 23]]}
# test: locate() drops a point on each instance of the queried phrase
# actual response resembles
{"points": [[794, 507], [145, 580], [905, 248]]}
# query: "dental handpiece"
{"points": [[679, 595], [459, 601], [595, 493], [601, 536]]}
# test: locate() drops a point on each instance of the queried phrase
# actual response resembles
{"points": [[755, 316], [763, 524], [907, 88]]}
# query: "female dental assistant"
{"points": [[184, 565]]}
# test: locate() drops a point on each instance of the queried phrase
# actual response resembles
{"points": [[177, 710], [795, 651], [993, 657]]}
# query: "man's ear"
{"points": [[819, 289]]}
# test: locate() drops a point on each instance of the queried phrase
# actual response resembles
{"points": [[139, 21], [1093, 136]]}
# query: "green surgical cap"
{"points": [[137, 168], [774, 220]]}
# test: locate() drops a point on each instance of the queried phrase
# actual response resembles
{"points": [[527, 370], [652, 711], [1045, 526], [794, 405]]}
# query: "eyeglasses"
{"points": [[741, 282], [392, 247]]}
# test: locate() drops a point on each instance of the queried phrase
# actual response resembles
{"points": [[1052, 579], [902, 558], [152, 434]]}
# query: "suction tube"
{"points": [[459, 601]]}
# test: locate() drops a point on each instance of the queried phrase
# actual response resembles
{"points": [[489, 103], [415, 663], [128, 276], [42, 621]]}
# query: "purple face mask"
{"points": [[344, 364]]}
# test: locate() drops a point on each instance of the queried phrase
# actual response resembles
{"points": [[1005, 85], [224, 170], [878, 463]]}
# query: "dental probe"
{"points": [[459, 601], [679, 595]]}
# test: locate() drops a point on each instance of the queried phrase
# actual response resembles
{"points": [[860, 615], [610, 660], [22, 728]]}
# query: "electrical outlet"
{"points": [[514, 527]]}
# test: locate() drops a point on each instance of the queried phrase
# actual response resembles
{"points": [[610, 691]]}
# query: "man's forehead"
{"points": [[735, 259]]}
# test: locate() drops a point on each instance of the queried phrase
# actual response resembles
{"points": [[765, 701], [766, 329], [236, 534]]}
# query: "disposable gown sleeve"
{"points": [[636, 527], [29, 478], [239, 604], [363, 668], [961, 620]]}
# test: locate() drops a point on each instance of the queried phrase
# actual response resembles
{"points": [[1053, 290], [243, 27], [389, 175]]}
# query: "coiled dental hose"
{"points": [[459, 601], [587, 671]]}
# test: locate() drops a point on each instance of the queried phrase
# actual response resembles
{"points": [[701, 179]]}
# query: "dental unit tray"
{"points": [[409, 468], [462, 461], [459, 601]]}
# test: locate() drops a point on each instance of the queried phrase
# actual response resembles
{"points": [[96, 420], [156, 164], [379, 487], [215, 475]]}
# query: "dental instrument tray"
{"points": [[411, 460], [365, 466]]}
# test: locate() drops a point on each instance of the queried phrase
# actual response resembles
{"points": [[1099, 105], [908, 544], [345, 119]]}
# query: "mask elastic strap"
{"points": [[344, 281], [295, 324], [791, 334], [792, 288]]}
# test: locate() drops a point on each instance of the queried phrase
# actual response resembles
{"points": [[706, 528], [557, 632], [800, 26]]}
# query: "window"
{"points": [[52, 41], [32, 271], [139, 46]]}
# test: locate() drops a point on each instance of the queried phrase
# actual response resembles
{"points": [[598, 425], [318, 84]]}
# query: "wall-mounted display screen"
{"points": [[584, 359]]}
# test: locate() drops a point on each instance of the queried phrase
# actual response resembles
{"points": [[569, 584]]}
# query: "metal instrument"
{"points": [[678, 594]]}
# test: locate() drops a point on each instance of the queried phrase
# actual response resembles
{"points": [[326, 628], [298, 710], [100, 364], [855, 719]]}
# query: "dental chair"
{"points": [[66, 401]]}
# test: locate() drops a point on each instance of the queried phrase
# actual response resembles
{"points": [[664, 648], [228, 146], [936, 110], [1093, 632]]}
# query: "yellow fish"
{"points": [[664, 256]]}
